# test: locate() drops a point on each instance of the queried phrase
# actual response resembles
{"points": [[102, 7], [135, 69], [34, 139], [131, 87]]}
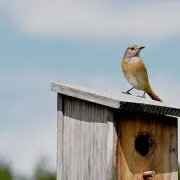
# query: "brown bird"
{"points": [[135, 72]]}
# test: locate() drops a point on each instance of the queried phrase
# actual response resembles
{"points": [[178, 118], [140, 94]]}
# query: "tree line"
{"points": [[41, 172]]}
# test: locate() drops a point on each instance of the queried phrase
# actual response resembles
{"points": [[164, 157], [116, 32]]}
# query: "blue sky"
{"points": [[76, 42]]}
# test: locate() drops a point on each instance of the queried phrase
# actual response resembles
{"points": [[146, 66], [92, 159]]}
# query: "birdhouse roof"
{"points": [[116, 100]]}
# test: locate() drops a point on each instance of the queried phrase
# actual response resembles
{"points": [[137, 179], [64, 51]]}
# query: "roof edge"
{"points": [[124, 102]]}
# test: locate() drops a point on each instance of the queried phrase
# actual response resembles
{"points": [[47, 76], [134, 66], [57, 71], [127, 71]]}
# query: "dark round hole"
{"points": [[143, 143]]}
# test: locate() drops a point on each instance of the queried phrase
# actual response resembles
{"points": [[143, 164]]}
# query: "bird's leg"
{"points": [[128, 92], [143, 96]]}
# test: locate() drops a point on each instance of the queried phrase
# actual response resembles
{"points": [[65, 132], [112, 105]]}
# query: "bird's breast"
{"points": [[134, 72]]}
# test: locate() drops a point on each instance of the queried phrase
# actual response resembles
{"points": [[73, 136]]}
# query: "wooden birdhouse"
{"points": [[106, 136]]}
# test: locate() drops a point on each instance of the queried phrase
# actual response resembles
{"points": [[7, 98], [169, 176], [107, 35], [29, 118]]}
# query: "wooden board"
{"points": [[146, 142], [84, 147]]}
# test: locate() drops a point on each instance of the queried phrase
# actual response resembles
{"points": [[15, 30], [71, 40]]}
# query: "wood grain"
{"points": [[163, 154], [83, 141]]}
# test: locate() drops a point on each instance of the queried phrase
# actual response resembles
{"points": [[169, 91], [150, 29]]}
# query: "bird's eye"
{"points": [[132, 48]]}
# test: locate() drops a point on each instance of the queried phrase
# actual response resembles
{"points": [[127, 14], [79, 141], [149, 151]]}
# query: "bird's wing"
{"points": [[141, 68], [145, 70]]}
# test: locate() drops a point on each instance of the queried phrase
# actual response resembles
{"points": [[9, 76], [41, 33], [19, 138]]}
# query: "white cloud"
{"points": [[79, 18], [32, 119]]}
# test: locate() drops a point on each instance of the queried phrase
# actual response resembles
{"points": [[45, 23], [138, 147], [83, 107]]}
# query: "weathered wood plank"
{"points": [[118, 100], [60, 139], [147, 142], [111, 150], [82, 144], [83, 94]]}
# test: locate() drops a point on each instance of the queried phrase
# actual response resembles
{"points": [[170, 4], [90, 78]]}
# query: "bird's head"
{"points": [[133, 51]]}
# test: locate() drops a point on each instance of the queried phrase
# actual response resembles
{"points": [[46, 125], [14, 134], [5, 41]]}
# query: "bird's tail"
{"points": [[153, 95]]}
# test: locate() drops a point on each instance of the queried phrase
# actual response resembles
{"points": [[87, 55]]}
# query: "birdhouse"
{"points": [[113, 136]]}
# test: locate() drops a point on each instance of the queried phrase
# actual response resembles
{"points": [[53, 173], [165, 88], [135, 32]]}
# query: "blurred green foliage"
{"points": [[5, 172], [41, 172]]}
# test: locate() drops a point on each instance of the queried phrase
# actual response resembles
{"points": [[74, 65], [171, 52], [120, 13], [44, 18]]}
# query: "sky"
{"points": [[75, 42]]}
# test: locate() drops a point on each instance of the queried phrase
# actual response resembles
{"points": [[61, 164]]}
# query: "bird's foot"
{"points": [[127, 93]]}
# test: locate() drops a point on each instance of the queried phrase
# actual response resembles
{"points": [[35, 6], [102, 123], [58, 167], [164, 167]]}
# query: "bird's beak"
{"points": [[141, 47]]}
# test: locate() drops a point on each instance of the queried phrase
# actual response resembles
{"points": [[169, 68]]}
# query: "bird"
{"points": [[135, 72]]}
